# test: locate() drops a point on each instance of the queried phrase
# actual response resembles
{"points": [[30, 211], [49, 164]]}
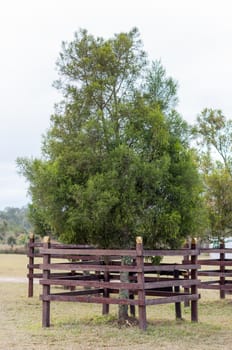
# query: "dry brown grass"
{"points": [[13, 265], [81, 326]]}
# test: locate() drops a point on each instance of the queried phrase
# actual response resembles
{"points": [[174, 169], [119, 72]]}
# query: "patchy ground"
{"points": [[81, 326]]}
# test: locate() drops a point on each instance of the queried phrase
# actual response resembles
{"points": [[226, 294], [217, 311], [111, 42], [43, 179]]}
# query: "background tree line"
{"points": [[14, 226]]}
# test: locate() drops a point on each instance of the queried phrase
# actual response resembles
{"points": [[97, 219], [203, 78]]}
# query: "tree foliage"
{"points": [[214, 132], [116, 161], [214, 136], [219, 202]]}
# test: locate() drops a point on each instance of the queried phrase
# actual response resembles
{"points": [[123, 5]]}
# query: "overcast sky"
{"points": [[192, 38]]}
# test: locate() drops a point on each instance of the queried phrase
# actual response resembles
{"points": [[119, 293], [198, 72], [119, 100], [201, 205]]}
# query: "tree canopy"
{"points": [[213, 133], [116, 161]]}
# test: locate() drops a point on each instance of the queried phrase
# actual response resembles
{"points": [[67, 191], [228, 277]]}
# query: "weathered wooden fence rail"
{"points": [[96, 277]]}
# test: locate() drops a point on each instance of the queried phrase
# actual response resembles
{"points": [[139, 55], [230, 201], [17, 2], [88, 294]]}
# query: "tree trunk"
{"points": [[123, 315]]}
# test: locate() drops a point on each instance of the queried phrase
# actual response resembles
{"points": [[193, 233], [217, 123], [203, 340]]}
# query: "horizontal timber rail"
{"points": [[97, 278], [94, 252], [169, 252]]}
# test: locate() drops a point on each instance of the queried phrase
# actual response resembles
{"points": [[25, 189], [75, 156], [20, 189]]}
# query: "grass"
{"points": [[13, 265], [81, 326]]}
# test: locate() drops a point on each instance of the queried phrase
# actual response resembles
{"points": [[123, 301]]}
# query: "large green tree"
{"points": [[116, 161]]}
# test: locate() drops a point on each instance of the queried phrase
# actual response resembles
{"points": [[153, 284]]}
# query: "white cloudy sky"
{"points": [[192, 38]]}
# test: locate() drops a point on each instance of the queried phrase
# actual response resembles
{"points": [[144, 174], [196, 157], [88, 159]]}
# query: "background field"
{"points": [[81, 326]]}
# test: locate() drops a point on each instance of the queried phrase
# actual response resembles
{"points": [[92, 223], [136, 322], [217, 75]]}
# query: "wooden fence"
{"points": [[33, 264], [35, 260], [96, 277], [217, 273]]}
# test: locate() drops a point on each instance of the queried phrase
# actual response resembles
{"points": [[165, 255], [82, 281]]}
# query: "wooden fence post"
{"points": [[46, 288], [31, 251], [186, 275], [131, 295], [106, 307], [177, 290], [194, 303], [141, 290], [222, 269]]}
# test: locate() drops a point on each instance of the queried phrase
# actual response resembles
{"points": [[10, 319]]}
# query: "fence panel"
{"points": [[217, 271], [96, 279]]}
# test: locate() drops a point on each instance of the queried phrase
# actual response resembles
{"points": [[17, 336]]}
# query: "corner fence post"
{"points": [[141, 289], [222, 270], [46, 288], [194, 303], [31, 251]]}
